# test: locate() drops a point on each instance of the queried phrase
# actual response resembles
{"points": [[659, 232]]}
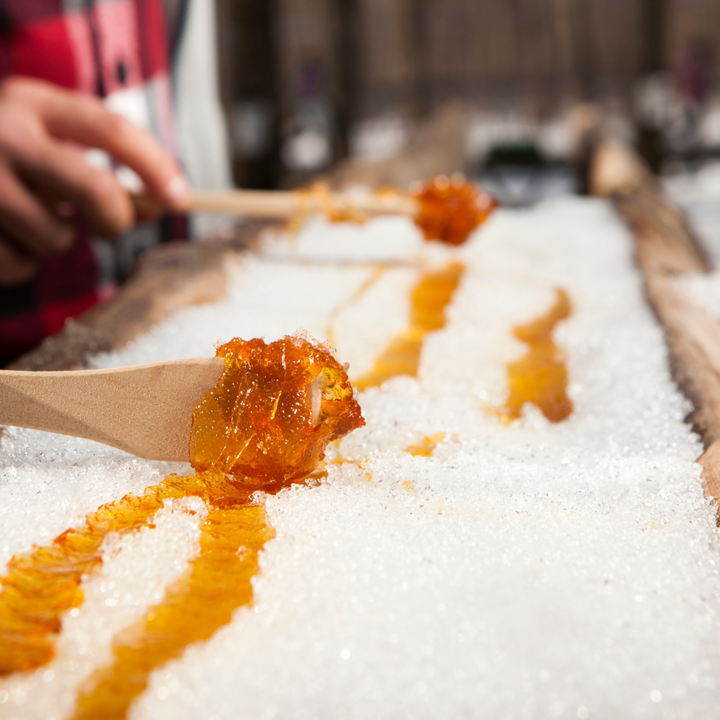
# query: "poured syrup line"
{"points": [[540, 377], [430, 297], [367, 284], [194, 608], [43, 585]]}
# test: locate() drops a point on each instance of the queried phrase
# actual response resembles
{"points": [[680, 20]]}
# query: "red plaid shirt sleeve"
{"points": [[112, 48]]}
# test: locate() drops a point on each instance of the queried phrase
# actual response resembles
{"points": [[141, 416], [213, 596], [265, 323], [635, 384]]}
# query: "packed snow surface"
{"points": [[529, 571]]}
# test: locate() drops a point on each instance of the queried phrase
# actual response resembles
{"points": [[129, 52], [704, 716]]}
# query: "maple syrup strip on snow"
{"points": [[193, 609], [262, 397], [364, 287], [41, 586], [540, 377], [429, 299]]}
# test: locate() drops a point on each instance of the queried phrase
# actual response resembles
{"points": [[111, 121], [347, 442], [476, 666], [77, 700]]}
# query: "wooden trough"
{"points": [[478, 548]]}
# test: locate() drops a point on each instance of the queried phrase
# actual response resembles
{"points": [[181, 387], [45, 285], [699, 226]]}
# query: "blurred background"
{"points": [[306, 83]]}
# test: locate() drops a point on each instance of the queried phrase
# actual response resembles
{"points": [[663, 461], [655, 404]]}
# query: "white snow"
{"points": [[530, 571]]}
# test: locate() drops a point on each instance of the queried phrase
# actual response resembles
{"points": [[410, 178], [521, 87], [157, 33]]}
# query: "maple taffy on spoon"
{"points": [[172, 410]]}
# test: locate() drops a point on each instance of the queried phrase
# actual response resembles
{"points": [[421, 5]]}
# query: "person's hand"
{"points": [[45, 179]]}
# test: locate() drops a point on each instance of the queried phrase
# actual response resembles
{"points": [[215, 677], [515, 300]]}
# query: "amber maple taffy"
{"points": [[429, 299], [255, 430], [450, 209], [540, 377]]}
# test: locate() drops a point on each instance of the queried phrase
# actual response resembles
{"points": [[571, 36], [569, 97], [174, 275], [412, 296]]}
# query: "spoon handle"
{"points": [[142, 409], [280, 204]]}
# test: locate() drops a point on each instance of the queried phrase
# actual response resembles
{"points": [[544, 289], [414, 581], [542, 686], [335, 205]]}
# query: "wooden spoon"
{"points": [[143, 409]]}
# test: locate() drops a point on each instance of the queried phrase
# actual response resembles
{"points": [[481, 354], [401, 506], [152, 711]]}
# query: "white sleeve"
{"points": [[200, 121]]}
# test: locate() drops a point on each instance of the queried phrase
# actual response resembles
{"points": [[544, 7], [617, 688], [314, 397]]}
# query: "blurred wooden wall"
{"points": [[409, 56]]}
